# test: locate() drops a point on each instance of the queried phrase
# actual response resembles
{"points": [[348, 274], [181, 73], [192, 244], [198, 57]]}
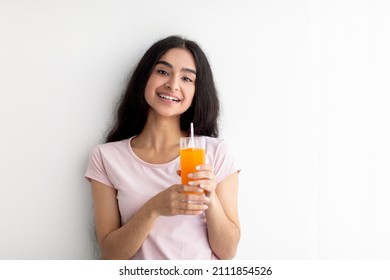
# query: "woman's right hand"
{"points": [[174, 201]]}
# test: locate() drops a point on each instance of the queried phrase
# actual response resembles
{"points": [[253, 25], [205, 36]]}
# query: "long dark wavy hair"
{"points": [[132, 109]]}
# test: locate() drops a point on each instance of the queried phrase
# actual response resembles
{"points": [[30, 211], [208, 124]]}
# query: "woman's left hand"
{"points": [[204, 178]]}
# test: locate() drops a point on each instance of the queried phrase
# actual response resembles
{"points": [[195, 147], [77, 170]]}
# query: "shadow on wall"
{"points": [[95, 250]]}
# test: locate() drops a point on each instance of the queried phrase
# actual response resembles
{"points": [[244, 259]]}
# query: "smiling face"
{"points": [[171, 85]]}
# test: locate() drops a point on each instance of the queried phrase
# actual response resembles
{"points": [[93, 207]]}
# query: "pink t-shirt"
{"points": [[136, 181]]}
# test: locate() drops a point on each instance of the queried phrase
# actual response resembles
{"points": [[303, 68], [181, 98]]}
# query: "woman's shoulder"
{"points": [[216, 144], [220, 154], [111, 147]]}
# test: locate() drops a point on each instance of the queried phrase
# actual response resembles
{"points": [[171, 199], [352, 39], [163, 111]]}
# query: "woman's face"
{"points": [[171, 86]]}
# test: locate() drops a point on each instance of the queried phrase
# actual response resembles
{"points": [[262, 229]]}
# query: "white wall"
{"points": [[305, 93]]}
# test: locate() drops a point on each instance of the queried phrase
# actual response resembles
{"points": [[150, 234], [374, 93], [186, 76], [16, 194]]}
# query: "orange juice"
{"points": [[189, 159]]}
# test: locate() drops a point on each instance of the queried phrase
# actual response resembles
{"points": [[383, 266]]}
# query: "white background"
{"points": [[305, 92]]}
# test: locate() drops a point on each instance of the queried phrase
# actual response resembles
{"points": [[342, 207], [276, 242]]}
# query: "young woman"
{"points": [[141, 209]]}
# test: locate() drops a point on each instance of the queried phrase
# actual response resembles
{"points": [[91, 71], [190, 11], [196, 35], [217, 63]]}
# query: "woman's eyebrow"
{"points": [[170, 66]]}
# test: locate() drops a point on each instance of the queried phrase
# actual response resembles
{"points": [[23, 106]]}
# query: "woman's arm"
{"points": [[222, 219], [122, 242], [222, 215], [118, 242]]}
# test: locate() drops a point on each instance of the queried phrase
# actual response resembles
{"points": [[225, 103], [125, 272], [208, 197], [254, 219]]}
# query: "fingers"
{"points": [[187, 200], [203, 172], [207, 167], [191, 205], [192, 189], [179, 189], [202, 175], [203, 185], [204, 178], [192, 197]]}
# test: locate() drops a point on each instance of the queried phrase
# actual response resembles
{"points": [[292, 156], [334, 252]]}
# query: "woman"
{"points": [[141, 210]]}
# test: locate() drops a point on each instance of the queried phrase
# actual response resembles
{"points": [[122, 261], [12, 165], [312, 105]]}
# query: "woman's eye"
{"points": [[187, 79], [162, 72]]}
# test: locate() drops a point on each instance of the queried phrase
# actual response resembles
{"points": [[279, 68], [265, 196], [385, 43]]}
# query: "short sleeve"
{"points": [[96, 169], [225, 163]]}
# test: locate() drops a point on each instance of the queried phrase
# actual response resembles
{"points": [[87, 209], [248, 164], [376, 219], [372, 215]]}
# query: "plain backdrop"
{"points": [[304, 87]]}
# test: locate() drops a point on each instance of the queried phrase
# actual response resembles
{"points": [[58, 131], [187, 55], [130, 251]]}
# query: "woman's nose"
{"points": [[173, 84]]}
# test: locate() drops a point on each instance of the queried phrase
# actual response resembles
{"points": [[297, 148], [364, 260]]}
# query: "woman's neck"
{"points": [[159, 134]]}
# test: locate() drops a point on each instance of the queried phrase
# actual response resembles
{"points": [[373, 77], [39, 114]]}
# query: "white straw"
{"points": [[192, 130], [192, 136]]}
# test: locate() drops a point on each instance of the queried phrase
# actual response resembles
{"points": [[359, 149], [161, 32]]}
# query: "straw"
{"points": [[192, 136]]}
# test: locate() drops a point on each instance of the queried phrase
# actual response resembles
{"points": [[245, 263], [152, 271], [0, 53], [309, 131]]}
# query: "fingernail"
{"points": [[191, 183], [190, 175], [197, 167]]}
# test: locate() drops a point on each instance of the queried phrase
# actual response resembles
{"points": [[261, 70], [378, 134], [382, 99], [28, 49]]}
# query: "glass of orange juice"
{"points": [[192, 153]]}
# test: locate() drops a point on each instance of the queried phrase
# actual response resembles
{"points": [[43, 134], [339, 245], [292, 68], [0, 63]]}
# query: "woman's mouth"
{"points": [[168, 97]]}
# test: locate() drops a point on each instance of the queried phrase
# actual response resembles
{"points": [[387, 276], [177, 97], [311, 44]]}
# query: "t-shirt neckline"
{"points": [[145, 163]]}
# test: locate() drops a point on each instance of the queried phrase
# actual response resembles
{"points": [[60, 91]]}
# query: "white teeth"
{"points": [[168, 97]]}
